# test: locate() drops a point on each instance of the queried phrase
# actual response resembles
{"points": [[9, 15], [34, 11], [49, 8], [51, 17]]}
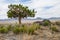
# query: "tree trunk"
{"points": [[19, 20]]}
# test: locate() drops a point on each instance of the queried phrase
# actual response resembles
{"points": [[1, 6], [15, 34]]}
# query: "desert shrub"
{"points": [[46, 22], [36, 26], [9, 27], [23, 29], [23, 25], [30, 30], [57, 23], [4, 30], [54, 29], [17, 25], [16, 30]]}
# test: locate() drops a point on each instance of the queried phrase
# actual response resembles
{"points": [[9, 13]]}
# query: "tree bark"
{"points": [[19, 20]]}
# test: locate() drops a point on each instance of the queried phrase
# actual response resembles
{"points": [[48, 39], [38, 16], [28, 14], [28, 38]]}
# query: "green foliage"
{"points": [[46, 23], [9, 27], [54, 29], [36, 26], [26, 29], [4, 30], [29, 29], [16, 30], [33, 27], [19, 10]]}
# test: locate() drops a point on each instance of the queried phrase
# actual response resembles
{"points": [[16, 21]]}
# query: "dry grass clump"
{"points": [[3, 29], [54, 28], [26, 29], [16, 29]]}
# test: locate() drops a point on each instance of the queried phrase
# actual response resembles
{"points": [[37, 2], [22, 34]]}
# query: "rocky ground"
{"points": [[42, 34]]}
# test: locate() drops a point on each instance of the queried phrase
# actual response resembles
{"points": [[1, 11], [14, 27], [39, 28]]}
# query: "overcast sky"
{"points": [[44, 8]]}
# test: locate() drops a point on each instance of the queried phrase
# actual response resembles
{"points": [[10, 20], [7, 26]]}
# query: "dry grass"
{"points": [[39, 34]]}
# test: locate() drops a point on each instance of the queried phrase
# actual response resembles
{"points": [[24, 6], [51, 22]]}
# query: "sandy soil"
{"points": [[41, 34]]}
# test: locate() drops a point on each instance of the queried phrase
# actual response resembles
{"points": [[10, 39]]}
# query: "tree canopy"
{"points": [[19, 11]]}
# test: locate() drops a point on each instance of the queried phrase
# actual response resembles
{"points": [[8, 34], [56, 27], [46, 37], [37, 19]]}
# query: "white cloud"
{"points": [[39, 5], [44, 8]]}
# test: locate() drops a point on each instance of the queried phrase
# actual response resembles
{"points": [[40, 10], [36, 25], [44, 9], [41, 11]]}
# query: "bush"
{"points": [[31, 30], [23, 29], [16, 30], [4, 30], [36, 26], [17, 25], [54, 29], [9, 27], [46, 22]]}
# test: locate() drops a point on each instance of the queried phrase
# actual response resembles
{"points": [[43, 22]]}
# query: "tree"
{"points": [[19, 11]]}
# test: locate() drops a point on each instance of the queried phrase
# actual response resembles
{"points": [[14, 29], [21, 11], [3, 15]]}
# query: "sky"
{"points": [[44, 8]]}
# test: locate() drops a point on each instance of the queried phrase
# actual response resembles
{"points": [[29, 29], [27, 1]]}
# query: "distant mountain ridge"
{"points": [[38, 18], [55, 18], [7, 19]]}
